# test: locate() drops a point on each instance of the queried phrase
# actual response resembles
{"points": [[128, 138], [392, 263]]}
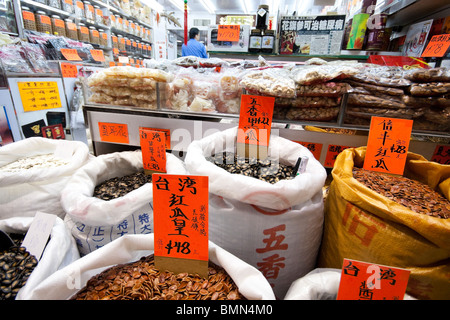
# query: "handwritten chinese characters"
{"points": [[255, 120], [387, 145], [438, 46], [153, 146], [181, 216], [228, 33], [39, 95], [365, 281], [113, 132]]}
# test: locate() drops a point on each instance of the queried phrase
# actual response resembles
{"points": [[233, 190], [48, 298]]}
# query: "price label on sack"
{"points": [[180, 221], [315, 148], [228, 33], [387, 145], [166, 133], [332, 153], [71, 54], [441, 154], [97, 55], [153, 147], [438, 46], [113, 132], [366, 281], [255, 121]]}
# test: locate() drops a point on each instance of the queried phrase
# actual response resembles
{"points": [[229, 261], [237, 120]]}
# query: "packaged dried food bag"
{"points": [[319, 284], [273, 227], [95, 222], [250, 282], [59, 252], [25, 191], [363, 225]]}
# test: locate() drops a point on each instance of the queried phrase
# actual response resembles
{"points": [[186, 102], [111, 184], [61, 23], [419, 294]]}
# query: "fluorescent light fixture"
{"points": [[179, 4], [154, 5], [207, 4], [244, 6]]}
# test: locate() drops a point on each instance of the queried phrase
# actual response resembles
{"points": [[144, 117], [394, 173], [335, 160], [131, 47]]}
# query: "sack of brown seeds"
{"points": [[275, 227], [67, 282], [110, 197], [396, 222]]}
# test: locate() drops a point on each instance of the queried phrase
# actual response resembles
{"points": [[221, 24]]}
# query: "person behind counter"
{"points": [[193, 46]]}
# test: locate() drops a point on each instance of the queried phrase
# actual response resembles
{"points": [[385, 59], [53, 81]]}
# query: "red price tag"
{"points": [[71, 54], [98, 55], [255, 119], [166, 133], [113, 132], [332, 152], [366, 281], [180, 206], [153, 146], [315, 148], [228, 33], [438, 46], [387, 145], [69, 70]]}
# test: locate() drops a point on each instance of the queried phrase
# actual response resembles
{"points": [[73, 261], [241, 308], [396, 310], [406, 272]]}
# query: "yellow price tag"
{"points": [[39, 95]]}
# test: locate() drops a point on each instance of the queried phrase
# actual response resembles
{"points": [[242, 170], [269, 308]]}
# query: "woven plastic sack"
{"points": [[59, 252], [274, 227], [95, 222], [38, 189], [68, 281], [363, 225]]}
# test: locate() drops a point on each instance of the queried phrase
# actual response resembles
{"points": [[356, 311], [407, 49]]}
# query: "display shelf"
{"points": [[127, 34]]}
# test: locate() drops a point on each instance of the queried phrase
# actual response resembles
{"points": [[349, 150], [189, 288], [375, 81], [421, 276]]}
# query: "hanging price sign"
{"points": [[387, 145], [228, 33], [153, 147], [71, 54], [438, 46], [366, 281], [180, 206]]}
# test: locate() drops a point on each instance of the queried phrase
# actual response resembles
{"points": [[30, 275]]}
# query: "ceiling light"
{"points": [[208, 6], [152, 4]]}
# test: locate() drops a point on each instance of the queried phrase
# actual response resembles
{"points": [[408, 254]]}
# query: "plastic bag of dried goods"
{"points": [[274, 82], [65, 283], [274, 227], [319, 284], [95, 221], [362, 224], [59, 251], [33, 172]]}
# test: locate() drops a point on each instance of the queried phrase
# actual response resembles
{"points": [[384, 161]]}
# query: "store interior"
{"points": [[322, 127]]}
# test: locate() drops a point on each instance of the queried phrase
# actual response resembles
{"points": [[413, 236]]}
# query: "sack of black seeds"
{"points": [[59, 252], [65, 283], [110, 197], [33, 172], [275, 227]]}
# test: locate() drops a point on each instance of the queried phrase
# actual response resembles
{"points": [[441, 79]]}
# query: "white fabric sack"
{"points": [[60, 251], [95, 222], [37, 189], [66, 282], [319, 284], [276, 228]]}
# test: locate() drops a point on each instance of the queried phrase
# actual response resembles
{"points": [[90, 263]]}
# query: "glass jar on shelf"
{"points": [[94, 35], [71, 29], [29, 20], [79, 9], [58, 26], [83, 32], [89, 12], [139, 47], [67, 6], [114, 41], [127, 44], [133, 46], [121, 40], [126, 25], [103, 37], [119, 22], [132, 27], [54, 4], [43, 22], [98, 15]]}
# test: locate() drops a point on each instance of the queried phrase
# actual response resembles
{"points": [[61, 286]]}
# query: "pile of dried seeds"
{"points": [[412, 194], [120, 186], [34, 162], [140, 280], [260, 169]]}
